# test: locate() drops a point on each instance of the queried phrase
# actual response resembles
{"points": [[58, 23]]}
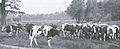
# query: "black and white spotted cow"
{"points": [[79, 30], [86, 31], [116, 29], [102, 34], [94, 31], [28, 29], [112, 32], [46, 31], [69, 30], [118, 33], [10, 29], [19, 27]]}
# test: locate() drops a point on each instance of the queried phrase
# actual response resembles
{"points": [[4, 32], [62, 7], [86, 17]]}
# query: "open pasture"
{"points": [[22, 41]]}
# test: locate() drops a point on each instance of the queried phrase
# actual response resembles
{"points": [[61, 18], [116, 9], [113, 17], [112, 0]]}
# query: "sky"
{"points": [[44, 6]]}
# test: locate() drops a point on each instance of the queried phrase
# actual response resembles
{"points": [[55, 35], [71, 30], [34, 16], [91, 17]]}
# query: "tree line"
{"points": [[94, 10], [9, 7]]}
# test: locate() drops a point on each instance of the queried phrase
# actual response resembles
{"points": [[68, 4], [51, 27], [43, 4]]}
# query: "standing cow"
{"points": [[46, 31], [69, 30], [10, 29]]}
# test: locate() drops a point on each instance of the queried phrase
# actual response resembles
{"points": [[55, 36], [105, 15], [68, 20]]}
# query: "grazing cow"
{"points": [[34, 31], [28, 28], [94, 31], [86, 30], [111, 32], [51, 33], [79, 30], [63, 26], [116, 28], [10, 29], [19, 27], [102, 32], [45, 30], [69, 29], [118, 33]]}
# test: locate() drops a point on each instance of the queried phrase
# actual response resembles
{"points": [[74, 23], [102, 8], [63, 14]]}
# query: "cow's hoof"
{"points": [[9, 35]]}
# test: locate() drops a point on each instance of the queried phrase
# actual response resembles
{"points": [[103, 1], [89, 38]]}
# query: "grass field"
{"points": [[57, 43], [22, 40]]}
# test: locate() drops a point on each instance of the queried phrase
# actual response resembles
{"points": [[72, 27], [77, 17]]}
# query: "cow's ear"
{"points": [[60, 29], [42, 26]]}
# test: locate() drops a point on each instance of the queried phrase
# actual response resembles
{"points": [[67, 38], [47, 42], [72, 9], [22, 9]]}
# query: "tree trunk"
{"points": [[3, 14]]}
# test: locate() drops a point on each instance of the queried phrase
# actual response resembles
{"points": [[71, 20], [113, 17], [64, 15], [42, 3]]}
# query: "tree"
{"points": [[83, 10], [113, 7], [14, 6], [92, 10], [76, 10]]}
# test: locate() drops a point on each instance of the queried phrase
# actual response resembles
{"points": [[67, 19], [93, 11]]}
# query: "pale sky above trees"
{"points": [[44, 6]]}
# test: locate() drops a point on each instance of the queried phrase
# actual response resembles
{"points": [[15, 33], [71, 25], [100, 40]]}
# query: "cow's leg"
{"points": [[78, 35], [104, 37], [16, 31], [31, 40], [35, 41], [10, 34], [72, 36], [87, 35], [83, 35], [90, 35], [69, 36], [116, 35], [93, 35], [49, 43], [98, 38], [19, 30], [113, 36], [64, 33], [108, 37], [29, 36], [96, 35], [46, 33], [75, 35], [49, 40]]}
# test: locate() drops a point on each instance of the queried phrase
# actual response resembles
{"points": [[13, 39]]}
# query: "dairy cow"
{"points": [[45, 30], [69, 30], [11, 29]]}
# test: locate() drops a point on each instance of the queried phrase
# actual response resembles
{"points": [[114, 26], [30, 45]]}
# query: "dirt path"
{"points": [[16, 47]]}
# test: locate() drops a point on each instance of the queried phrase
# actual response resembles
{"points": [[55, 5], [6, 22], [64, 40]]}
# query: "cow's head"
{"points": [[53, 25], [40, 32], [59, 32], [3, 28]]}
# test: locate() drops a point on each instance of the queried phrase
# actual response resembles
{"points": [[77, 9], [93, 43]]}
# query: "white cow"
{"points": [[46, 30], [66, 32], [116, 28], [113, 31], [34, 34]]}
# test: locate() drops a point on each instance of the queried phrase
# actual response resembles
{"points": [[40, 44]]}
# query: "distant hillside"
{"points": [[41, 19], [55, 16]]}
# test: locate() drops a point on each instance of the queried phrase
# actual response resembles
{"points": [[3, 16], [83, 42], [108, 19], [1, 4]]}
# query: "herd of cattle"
{"points": [[33, 31], [92, 31], [82, 30]]}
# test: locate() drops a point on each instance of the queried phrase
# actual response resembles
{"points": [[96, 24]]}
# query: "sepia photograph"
{"points": [[59, 24]]}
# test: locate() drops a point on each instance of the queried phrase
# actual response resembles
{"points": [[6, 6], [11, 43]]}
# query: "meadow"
{"points": [[22, 41]]}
